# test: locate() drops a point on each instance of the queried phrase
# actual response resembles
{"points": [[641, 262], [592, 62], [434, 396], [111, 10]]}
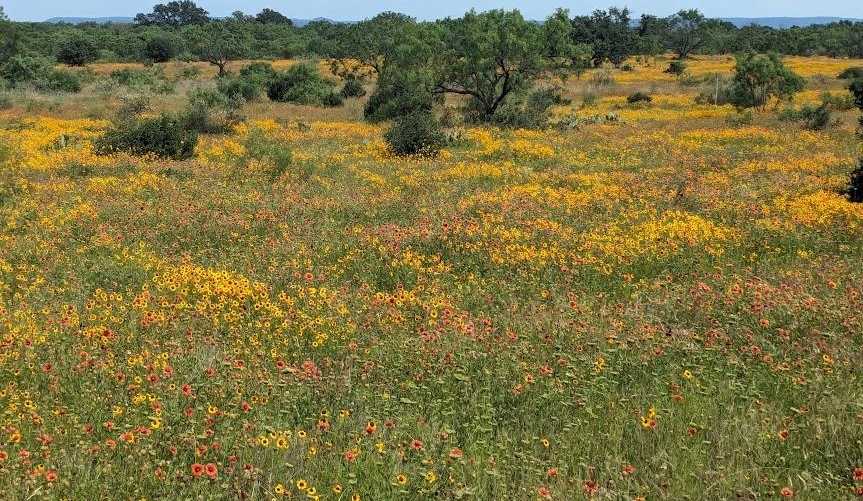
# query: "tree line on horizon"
{"points": [[182, 29]]}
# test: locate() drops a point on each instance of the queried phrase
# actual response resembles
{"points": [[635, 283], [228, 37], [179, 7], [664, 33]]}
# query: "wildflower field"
{"points": [[668, 305]]}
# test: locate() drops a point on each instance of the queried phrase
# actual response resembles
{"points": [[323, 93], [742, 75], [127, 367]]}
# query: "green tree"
{"points": [[8, 38], [374, 43], [160, 49], [76, 50], [488, 56], [652, 33], [758, 78], [270, 16], [174, 14], [609, 33], [218, 43], [687, 32]]}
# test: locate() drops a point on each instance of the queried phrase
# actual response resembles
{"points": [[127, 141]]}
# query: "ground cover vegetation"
{"points": [[480, 258]]}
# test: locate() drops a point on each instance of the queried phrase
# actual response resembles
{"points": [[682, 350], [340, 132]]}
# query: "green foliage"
{"points": [[639, 97], [525, 110], [812, 117], [676, 68], [303, 84], [687, 32], [416, 134], [853, 73], [76, 50], [274, 153], [240, 88], [270, 16], [758, 78], [353, 87], [855, 184], [218, 43], [387, 38], [9, 38], [399, 93], [164, 136], [160, 49], [856, 89], [174, 14], [39, 73], [210, 111], [608, 33], [258, 72], [487, 57]]}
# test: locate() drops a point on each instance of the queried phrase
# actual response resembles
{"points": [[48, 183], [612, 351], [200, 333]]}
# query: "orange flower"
{"points": [[544, 492], [416, 445], [371, 427], [51, 475], [197, 470], [858, 474], [786, 492], [211, 469], [456, 453], [628, 470]]}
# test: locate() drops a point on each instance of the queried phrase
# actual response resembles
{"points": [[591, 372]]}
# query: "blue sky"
{"points": [[37, 10]]}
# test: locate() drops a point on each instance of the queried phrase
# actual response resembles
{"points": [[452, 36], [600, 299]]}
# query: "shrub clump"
{"points": [[210, 111], [676, 68], [416, 134], [399, 93], [353, 87], [303, 84], [164, 136], [855, 185], [812, 117], [853, 73], [639, 97], [38, 73], [758, 78], [77, 51], [523, 111]]}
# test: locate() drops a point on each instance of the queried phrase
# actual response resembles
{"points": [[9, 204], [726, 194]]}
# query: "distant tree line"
{"points": [[176, 30]]}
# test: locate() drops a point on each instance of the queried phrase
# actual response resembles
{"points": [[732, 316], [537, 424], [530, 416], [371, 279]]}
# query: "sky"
{"points": [[346, 10]]}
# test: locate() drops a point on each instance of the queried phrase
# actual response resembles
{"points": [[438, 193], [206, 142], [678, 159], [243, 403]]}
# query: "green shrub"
{"points": [[399, 93], [259, 73], [21, 69], [852, 73], [758, 78], [639, 97], [210, 111], [164, 137], [855, 184], [239, 88], [416, 134], [302, 84], [160, 49], [353, 87], [837, 102], [76, 51], [523, 111], [274, 153], [627, 67], [856, 89], [676, 68], [5, 101], [812, 117], [59, 81], [740, 119]]}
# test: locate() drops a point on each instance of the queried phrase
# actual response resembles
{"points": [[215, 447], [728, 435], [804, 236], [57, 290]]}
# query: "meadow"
{"points": [[664, 305]]}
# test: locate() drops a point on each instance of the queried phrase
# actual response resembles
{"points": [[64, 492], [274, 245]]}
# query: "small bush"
{"points": [[676, 68], [76, 51], [353, 87], [812, 117], [740, 119], [415, 134], [132, 106], [59, 81], [5, 102], [639, 97], [240, 88], [159, 49], [273, 153], [854, 192], [852, 73], [627, 67], [589, 99], [529, 111], [399, 93], [303, 84], [210, 111], [856, 89], [259, 73], [21, 69], [164, 137], [838, 102], [603, 78]]}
